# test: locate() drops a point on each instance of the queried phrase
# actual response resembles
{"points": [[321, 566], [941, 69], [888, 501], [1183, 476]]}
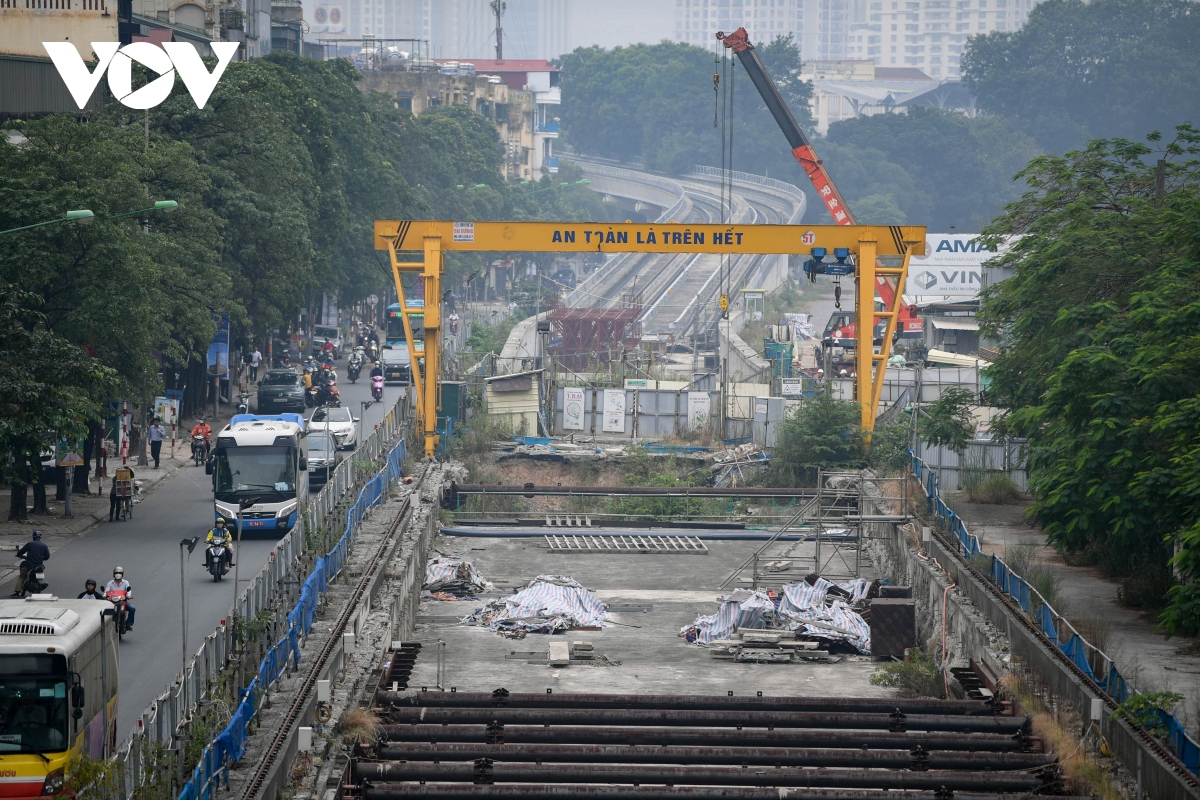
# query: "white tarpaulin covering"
{"points": [[821, 610], [550, 603], [743, 609], [443, 574]]}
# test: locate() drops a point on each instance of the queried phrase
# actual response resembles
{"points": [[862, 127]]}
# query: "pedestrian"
{"points": [[255, 360], [157, 433], [114, 499]]}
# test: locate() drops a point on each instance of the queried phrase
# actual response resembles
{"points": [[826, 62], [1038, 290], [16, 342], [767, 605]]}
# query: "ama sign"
{"points": [[951, 266], [171, 58]]}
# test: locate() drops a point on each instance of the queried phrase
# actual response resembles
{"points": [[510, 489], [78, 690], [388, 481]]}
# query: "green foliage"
{"points": [[889, 447], [926, 166], [916, 676], [656, 102], [1101, 323], [487, 338], [645, 469], [947, 422], [822, 433], [1081, 70], [1148, 710]]}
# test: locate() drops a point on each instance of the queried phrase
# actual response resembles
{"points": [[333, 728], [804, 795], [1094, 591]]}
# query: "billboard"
{"points": [[952, 266]]}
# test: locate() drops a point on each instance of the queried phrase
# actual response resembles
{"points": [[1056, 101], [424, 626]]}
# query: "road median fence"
{"points": [[1089, 661], [257, 624]]}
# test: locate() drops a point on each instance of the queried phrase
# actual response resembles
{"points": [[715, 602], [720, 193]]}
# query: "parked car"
{"points": [[280, 390], [323, 458], [338, 422], [327, 333]]}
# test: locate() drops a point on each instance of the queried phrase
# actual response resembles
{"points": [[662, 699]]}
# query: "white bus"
{"points": [[261, 457], [58, 690]]}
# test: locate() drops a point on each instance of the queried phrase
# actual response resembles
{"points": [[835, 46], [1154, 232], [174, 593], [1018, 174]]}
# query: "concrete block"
{"points": [[581, 645], [560, 655], [761, 637]]}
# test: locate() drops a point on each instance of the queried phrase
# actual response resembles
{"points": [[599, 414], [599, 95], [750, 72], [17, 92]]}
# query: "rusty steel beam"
{"points": [[502, 698], [726, 737], [917, 758], [896, 722], [445, 791], [488, 772]]}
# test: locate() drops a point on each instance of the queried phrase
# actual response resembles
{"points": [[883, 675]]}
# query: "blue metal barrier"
{"points": [[1050, 622]]}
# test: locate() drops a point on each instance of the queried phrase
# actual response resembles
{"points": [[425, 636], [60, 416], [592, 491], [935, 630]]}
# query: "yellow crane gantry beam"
{"points": [[866, 243]]}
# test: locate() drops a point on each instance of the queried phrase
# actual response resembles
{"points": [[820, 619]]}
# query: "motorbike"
{"points": [[35, 581], [329, 396], [377, 387], [243, 406], [310, 396], [373, 349], [199, 449], [214, 558], [120, 600]]}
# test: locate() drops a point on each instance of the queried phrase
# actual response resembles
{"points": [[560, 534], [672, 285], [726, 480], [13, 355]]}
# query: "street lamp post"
{"points": [[84, 216], [190, 544], [243, 504]]}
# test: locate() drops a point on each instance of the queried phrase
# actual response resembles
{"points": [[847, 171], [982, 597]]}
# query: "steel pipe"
{"points": [[444, 791], [502, 698], [917, 758], [625, 491], [755, 737], [485, 772], [746, 719]]}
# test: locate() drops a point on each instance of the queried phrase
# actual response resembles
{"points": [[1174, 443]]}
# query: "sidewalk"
{"points": [[92, 509], [1151, 661]]}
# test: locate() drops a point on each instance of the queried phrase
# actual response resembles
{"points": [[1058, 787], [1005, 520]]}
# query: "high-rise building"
{"points": [[929, 34], [820, 27]]}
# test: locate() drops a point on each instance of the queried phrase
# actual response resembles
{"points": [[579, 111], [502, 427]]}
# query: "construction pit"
{"points": [[559, 655]]}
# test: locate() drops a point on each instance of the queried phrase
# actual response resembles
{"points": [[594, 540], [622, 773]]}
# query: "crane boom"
{"points": [[910, 322], [802, 149]]}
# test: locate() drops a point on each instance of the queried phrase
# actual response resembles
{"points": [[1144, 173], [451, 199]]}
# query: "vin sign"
{"points": [[951, 266]]}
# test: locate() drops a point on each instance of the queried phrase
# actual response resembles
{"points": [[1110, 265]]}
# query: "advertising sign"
{"points": [[69, 452], [699, 407], [951, 266], [614, 411], [166, 409], [218, 351], [573, 409]]}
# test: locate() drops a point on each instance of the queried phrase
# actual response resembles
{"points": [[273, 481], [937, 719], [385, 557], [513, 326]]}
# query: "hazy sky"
{"points": [[609, 23]]}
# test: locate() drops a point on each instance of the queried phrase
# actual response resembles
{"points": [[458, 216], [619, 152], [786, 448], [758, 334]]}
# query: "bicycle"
{"points": [[125, 499]]}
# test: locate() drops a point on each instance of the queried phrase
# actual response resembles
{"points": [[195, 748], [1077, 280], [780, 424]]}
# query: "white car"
{"points": [[338, 422]]}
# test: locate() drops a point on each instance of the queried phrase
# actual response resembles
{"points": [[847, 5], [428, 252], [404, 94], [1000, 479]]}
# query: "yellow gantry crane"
{"points": [[866, 251]]}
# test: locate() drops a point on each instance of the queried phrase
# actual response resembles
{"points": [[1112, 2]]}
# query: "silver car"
{"points": [[337, 422]]}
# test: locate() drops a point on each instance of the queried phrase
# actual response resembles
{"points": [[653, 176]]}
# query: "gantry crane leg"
{"points": [[426, 387]]}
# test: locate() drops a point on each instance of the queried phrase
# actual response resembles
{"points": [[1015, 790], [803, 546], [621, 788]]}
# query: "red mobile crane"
{"points": [[910, 322]]}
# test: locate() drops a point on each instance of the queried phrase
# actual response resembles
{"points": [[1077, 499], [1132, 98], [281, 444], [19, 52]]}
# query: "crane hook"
{"points": [[837, 295]]}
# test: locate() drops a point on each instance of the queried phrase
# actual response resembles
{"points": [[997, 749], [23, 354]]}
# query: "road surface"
{"points": [[147, 546]]}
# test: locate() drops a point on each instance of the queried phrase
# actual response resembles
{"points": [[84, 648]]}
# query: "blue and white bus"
{"points": [[395, 335], [261, 457]]}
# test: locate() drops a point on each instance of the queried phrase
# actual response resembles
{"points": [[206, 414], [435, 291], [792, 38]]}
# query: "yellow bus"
{"points": [[58, 690]]}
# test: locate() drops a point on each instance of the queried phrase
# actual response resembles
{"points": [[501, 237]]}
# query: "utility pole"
{"points": [[498, 7]]}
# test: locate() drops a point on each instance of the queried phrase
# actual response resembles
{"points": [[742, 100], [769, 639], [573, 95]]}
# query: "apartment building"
{"points": [[929, 34], [820, 27]]}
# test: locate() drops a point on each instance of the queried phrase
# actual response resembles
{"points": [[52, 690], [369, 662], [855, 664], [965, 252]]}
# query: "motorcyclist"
{"points": [[119, 584], [377, 370], [34, 554], [89, 591], [219, 531], [202, 429], [454, 322]]}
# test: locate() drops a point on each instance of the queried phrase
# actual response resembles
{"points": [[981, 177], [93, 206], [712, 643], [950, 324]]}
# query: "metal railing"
{"points": [[275, 585], [1093, 662], [777, 187]]}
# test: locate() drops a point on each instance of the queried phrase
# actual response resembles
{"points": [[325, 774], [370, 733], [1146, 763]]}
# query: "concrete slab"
{"points": [[645, 647]]}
